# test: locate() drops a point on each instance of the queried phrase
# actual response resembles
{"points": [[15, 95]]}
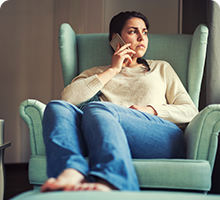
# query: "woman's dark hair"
{"points": [[118, 21]]}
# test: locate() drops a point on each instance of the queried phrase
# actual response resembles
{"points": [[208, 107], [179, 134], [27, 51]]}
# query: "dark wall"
{"points": [[195, 13]]}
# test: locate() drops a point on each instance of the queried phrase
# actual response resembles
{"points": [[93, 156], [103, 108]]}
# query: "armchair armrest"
{"points": [[202, 134], [32, 113]]}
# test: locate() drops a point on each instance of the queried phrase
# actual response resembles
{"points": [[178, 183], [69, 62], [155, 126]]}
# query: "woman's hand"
{"points": [[122, 54], [147, 109]]}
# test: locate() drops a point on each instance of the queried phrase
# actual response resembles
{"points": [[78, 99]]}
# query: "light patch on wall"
{"points": [[164, 16], [217, 1]]}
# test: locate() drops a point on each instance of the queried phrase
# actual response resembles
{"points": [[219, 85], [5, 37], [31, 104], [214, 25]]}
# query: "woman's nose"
{"points": [[140, 37]]}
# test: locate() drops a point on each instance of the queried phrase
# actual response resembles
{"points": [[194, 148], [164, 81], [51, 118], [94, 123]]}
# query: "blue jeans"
{"points": [[110, 136]]}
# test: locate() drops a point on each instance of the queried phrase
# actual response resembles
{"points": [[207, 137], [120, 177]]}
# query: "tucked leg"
{"points": [[115, 133], [109, 153]]}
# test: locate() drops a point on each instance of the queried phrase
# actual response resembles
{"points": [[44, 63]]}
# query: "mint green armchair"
{"points": [[186, 53]]}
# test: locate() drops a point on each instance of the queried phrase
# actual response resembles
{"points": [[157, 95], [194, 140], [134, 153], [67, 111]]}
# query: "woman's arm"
{"points": [[82, 88], [147, 109], [91, 81], [179, 108], [180, 111]]}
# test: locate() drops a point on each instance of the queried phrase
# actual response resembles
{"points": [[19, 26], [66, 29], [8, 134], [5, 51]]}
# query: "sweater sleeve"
{"points": [[83, 87], [179, 108]]}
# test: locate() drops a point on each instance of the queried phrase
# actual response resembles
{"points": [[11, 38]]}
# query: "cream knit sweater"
{"points": [[160, 88]]}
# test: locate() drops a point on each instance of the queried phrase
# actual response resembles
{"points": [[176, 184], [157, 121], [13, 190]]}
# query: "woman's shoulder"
{"points": [[159, 65], [159, 62]]}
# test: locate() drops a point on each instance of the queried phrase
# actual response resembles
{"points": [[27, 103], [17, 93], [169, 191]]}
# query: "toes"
{"points": [[101, 187], [53, 184], [82, 187], [91, 187], [61, 183], [47, 185]]}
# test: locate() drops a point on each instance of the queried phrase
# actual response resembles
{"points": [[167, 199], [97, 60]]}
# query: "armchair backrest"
{"points": [[185, 53]]}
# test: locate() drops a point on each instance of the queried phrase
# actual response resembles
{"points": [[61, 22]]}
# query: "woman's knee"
{"points": [[98, 104], [54, 104], [100, 107], [60, 108]]}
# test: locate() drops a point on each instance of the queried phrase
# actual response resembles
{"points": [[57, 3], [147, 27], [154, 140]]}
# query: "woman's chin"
{"points": [[140, 53]]}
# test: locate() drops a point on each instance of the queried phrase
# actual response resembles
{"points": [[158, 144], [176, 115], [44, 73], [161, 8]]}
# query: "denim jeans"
{"points": [[110, 136]]}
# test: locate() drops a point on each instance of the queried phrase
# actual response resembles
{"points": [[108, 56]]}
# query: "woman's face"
{"points": [[135, 32]]}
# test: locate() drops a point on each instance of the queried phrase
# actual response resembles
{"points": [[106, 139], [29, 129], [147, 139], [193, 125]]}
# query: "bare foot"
{"points": [[67, 179], [101, 185]]}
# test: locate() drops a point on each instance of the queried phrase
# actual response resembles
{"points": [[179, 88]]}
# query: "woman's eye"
{"points": [[133, 31], [145, 32]]}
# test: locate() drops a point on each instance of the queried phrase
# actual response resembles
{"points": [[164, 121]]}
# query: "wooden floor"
{"points": [[17, 179]]}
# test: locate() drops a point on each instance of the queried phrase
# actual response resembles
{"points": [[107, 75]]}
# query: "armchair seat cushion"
{"points": [[161, 173], [116, 195]]}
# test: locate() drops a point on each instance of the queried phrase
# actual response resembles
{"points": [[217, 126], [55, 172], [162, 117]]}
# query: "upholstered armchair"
{"points": [[3, 146], [186, 54]]}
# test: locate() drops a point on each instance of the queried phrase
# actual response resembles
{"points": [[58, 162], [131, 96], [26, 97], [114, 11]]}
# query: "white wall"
{"points": [[29, 55], [163, 15], [26, 43], [29, 63]]}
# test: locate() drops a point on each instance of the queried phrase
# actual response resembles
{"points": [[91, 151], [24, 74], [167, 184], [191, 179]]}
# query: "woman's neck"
{"points": [[133, 64]]}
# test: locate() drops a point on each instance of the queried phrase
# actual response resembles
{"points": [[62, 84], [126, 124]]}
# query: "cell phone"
{"points": [[115, 40]]}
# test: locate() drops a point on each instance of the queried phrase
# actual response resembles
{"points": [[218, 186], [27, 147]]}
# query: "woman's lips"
{"points": [[141, 46]]}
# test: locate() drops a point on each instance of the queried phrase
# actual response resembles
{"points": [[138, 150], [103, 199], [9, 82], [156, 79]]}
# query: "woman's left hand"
{"points": [[147, 109]]}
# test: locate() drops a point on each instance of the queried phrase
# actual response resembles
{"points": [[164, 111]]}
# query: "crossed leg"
{"points": [[59, 145]]}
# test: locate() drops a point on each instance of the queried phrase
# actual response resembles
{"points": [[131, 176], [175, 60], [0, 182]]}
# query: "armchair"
{"points": [[186, 54]]}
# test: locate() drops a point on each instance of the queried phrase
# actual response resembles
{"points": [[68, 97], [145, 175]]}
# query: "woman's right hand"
{"points": [[122, 54]]}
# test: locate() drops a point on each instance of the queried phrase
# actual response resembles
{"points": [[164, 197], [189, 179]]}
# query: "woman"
{"points": [[139, 116]]}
